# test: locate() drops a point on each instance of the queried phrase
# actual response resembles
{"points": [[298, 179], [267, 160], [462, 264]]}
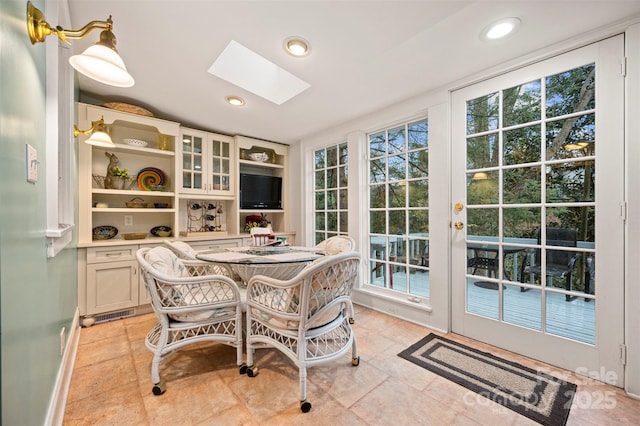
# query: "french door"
{"points": [[538, 210]]}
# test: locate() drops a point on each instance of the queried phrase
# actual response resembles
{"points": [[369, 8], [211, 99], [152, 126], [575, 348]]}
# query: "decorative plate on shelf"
{"points": [[161, 231], [105, 232], [133, 109], [135, 142], [150, 178]]}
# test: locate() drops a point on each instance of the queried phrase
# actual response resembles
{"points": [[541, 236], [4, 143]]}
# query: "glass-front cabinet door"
{"points": [[220, 159], [192, 162], [207, 163]]}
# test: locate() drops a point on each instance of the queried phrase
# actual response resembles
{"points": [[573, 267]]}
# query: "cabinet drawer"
{"points": [[111, 254], [217, 244]]}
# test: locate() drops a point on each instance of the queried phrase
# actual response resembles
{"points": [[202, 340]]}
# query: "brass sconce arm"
{"points": [[99, 62], [97, 126], [39, 29]]}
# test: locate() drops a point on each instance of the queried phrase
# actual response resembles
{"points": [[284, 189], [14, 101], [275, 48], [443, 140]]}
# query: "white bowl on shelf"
{"points": [[259, 156], [136, 142]]}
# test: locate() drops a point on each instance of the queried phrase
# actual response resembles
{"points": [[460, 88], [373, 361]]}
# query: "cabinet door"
{"points": [[112, 286], [220, 166], [194, 173]]}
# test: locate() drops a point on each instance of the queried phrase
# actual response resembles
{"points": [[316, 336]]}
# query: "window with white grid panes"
{"points": [[398, 190], [330, 192]]}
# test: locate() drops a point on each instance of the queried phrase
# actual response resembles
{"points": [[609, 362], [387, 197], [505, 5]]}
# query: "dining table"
{"points": [[279, 262]]}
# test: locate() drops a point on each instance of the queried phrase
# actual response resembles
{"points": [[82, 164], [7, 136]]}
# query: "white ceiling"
{"points": [[366, 55]]}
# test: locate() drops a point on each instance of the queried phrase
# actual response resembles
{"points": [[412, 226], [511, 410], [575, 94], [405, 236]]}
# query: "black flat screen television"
{"points": [[260, 192]]}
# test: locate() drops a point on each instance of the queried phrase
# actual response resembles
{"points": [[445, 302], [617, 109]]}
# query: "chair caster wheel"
{"points": [[243, 369], [252, 371], [355, 361], [352, 320], [159, 388], [305, 406]]}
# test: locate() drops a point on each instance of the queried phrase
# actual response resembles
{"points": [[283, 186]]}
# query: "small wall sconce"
{"points": [[100, 62], [99, 135]]}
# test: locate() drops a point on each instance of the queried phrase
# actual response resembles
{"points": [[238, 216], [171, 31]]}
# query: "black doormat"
{"points": [[536, 395]]}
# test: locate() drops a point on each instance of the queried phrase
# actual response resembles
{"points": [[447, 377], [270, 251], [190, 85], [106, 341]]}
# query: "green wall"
{"points": [[38, 296]]}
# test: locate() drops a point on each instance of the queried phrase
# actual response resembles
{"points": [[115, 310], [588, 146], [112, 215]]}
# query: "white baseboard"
{"points": [[55, 413]]}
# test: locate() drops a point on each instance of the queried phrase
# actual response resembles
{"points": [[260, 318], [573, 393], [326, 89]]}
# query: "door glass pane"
{"points": [[521, 185], [482, 151], [225, 166], [418, 193], [522, 145], [521, 104], [482, 222], [482, 188], [523, 308], [377, 197], [571, 91], [571, 182], [571, 138], [483, 114]]}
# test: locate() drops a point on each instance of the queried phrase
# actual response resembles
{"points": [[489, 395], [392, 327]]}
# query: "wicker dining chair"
{"points": [[185, 251], [306, 318], [190, 307]]}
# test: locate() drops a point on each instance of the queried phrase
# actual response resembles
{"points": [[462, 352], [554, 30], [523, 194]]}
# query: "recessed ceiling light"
{"points": [[235, 100], [500, 29], [297, 46]]}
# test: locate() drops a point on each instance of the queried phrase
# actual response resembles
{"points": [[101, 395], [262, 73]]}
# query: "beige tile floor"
{"points": [[111, 385]]}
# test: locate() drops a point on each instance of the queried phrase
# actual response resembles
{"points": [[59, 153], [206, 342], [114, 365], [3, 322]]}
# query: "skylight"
{"points": [[246, 69]]}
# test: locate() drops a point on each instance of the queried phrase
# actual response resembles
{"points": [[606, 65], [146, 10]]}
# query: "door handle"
{"points": [[459, 225]]}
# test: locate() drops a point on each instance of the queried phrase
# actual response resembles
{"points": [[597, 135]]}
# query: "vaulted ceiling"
{"points": [[366, 55]]}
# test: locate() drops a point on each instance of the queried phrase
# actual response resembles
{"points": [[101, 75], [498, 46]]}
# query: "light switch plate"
{"points": [[32, 164]]}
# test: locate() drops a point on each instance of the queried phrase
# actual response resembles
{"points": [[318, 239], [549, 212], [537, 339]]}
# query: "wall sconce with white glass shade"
{"points": [[99, 134], [99, 62]]}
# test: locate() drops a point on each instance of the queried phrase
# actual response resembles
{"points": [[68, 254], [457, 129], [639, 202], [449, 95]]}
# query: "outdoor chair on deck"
{"points": [[306, 318], [190, 307], [559, 263]]}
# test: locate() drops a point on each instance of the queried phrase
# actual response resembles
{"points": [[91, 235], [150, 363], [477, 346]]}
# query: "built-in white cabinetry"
{"points": [[152, 175], [184, 178], [207, 164], [275, 162], [110, 281]]}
